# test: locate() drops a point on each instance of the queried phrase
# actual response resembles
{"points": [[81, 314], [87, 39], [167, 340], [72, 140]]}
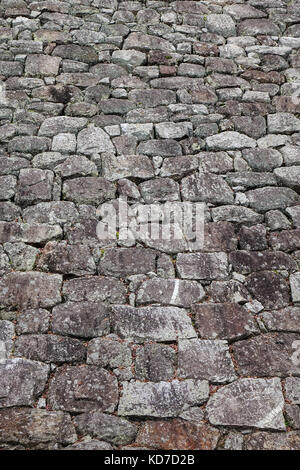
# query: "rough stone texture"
{"points": [[256, 403], [207, 266], [177, 434], [82, 319], [36, 428], [106, 427], [163, 103], [83, 388], [279, 354], [30, 289], [27, 377], [228, 321], [205, 359], [152, 323], [49, 348], [155, 362], [273, 441], [162, 399], [95, 289], [170, 292]]}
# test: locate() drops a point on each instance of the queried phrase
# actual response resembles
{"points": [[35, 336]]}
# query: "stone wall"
{"points": [[146, 344]]}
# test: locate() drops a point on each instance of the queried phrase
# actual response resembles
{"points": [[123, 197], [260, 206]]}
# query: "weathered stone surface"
{"points": [[256, 403], [28, 233], [83, 388], [9, 211], [295, 287], [34, 427], [122, 262], [175, 104], [159, 324], [283, 123], [33, 321], [288, 176], [75, 52], [229, 140], [30, 289], [177, 434], [170, 292], [159, 190], [228, 321], [219, 236], [95, 289], [128, 59], [206, 266], [34, 186], [55, 212], [292, 389], [145, 43], [108, 351], [237, 214], [277, 351], [228, 291], [56, 125], [67, 259], [93, 140], [286, 319], [273, 441], [268, 288], [88, 190], [220, 24], [49, 348], [205, 359], [30, 144], [21, 381], [7, 333], [170, 130], [254, 27], [269, 198], [39, 64], [112, 429], [246, 262], [262, 159], [285, 240], [90, 444], [126, 166], [84, 319], [206, 187], [163, 148], [155, 362], [162, 399]]}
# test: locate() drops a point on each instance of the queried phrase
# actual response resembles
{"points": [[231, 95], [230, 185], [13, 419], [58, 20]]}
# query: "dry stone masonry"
{"points": [[152, 344]]}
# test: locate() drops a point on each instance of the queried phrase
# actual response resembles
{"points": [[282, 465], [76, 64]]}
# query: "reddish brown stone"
{"points": [[177, 434], [263, 77], [167, 70], [223, 321], [205, 49]]}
